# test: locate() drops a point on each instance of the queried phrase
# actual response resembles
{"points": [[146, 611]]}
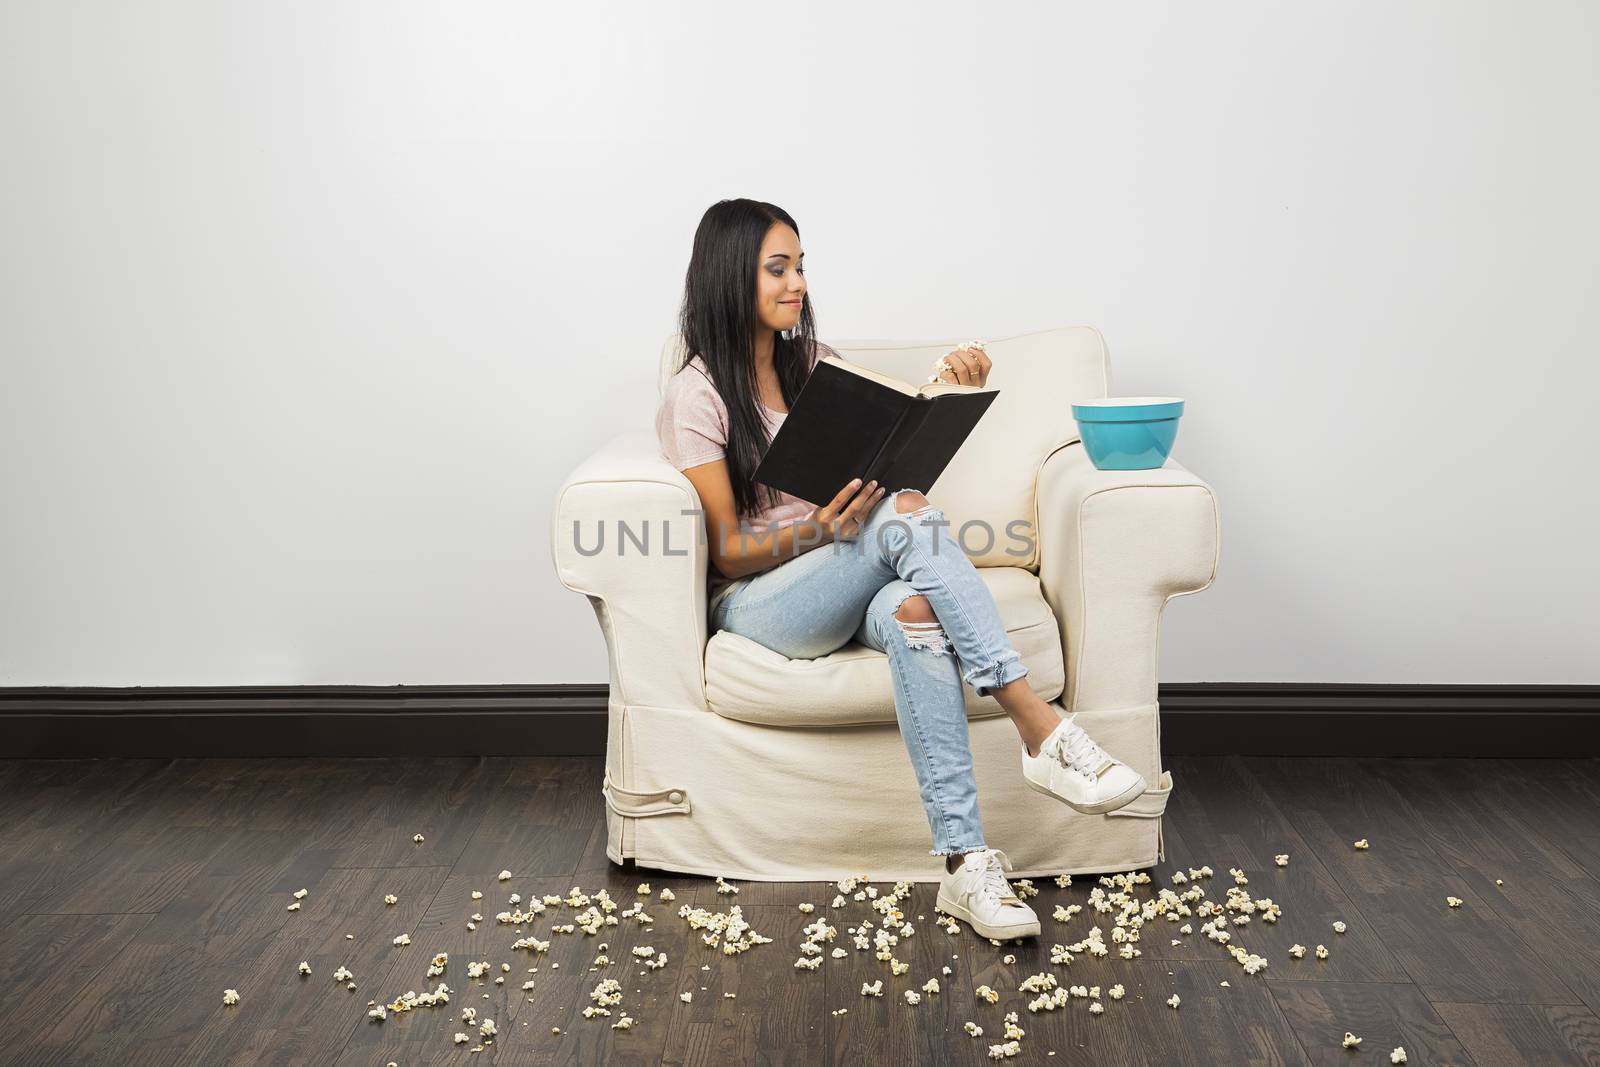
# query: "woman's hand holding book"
{"points": [[841, 517]]}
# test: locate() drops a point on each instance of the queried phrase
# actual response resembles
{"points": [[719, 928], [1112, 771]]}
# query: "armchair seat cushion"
{"points": [[851, 686]]}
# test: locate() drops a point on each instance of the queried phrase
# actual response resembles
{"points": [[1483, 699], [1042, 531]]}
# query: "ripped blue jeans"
{"points": [[810, 605]]}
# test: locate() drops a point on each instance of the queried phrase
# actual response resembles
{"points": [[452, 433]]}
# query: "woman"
{"points": [[887, 578]]}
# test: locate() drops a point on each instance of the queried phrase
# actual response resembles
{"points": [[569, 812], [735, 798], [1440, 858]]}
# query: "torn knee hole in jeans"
{"points": [[928, 635]]}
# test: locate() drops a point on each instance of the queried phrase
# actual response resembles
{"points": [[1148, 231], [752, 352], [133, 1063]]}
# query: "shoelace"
{"points": [[1075, 749], [994, 881]]}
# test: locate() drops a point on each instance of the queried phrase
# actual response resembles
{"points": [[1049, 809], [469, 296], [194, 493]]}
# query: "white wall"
{"points": [[307, 308]]}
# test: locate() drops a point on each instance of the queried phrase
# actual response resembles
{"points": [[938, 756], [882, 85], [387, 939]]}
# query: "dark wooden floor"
{"points": [[134, 892]]}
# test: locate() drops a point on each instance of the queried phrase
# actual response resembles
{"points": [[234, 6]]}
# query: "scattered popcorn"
{"points": [[686, 997], [1116, 992], [668, 894], [377, 1013], [230, 996], [973, 1029], [1281, 859], [1297, 951], [724, 887], [1063, 881], [477, 894], [487, 1028], [808, 908], [983, 992], [300, 894], [1351, 1040], [1322, 952], [1362, 844], [293, 907], [1005, 1051], [1454, 902], [417, 839], [624, 1023], [1096, 1008], [342, 974], [1338, 926], [1173, 1001], [931, 986], [1398, 1055], [403, 939], [912, 997], [390, 898], [644, 889], [305, 967], [872, 989], [503, 875], [1008, 958], [461, 1039]]}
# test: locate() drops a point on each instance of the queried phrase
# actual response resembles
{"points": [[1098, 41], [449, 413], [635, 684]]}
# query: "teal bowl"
{"points": [[1128, 433]]}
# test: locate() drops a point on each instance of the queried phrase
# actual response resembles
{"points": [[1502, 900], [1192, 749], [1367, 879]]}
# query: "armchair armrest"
{"points": [[1114, 547], [621, 536]]}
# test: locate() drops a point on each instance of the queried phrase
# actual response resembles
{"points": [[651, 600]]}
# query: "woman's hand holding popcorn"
{"points": [[967, 365]]}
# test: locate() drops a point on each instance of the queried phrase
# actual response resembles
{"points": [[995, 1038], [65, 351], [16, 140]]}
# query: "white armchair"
{"points": [[724, 757]]}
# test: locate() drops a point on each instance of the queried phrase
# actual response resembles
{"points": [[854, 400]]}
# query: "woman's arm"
{"points": [[737, 553]]}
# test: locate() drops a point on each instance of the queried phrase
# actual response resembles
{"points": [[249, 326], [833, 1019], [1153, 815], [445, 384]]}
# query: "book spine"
{"points": [[886, 451]]}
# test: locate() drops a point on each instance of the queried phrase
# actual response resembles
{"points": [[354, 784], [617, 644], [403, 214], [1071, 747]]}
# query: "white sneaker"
{"points": [[977, 893], [1078, 772]]}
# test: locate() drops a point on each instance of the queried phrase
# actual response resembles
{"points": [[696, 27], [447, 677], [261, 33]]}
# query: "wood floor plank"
{"points": [[1383, 1015], [1231, 821], [1526, 1035], [1399, 883], [1475, 822]]}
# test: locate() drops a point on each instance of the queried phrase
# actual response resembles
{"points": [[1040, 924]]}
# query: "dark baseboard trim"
{"points": [[1198, 718]]}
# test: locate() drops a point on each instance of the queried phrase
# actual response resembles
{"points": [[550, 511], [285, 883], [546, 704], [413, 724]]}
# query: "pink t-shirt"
{"points": [[692, 427]]}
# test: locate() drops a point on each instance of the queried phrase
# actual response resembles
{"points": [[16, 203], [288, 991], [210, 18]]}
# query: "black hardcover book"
{"points": [[851, 422]]}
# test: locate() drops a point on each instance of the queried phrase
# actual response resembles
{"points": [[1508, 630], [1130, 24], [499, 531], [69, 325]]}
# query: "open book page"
{"points": [[927, 389]]}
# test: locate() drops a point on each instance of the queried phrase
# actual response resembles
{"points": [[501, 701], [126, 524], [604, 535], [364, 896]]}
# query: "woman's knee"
{"points": [[909, 501], [915, 609]]}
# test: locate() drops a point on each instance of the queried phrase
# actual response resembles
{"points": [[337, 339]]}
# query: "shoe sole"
{"points": [[1121, 800], [999, 933]]}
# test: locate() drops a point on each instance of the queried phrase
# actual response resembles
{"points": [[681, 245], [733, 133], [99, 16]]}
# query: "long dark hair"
{"points": [[718, 323]]}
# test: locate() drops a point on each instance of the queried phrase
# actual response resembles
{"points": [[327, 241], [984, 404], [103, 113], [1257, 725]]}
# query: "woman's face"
{"points": [[780, 278]]}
